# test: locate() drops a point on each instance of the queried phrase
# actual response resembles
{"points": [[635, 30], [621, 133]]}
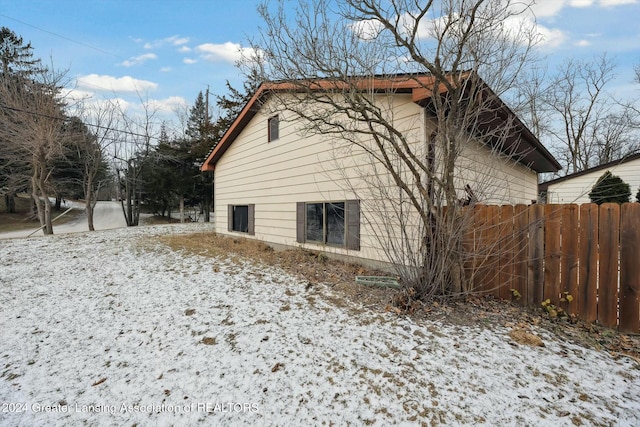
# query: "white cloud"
{"points": [[140, 59], [74, 95], [115, 84], [184, 49], [173, 41], [547, 8], [230, 52], [168, 105], [550, 37], [608, 3], [177, 41], [550, 8], [166, 69], [580, 3], [189, 61], [367, 29], [583, 43]]}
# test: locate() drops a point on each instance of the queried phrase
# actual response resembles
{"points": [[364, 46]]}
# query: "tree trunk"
{"points": [[89, 204], [207, 208], [58, 202], [47, 217], [10, 202], [181, 209]]}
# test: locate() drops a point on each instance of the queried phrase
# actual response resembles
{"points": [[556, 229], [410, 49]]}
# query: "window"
{"points": [[329, 223], [241, 218], [273, 125]]}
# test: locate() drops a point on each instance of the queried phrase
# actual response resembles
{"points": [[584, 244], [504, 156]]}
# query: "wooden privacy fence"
{"points": [[540, 252]]}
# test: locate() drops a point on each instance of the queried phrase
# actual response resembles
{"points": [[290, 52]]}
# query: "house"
{"points": [[277, 183], [575, 188]]}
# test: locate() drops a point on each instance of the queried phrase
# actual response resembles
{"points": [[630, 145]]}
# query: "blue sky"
{"points": [[169, 50]]}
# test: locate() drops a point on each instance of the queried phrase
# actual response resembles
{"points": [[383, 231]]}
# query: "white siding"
{"points": [[276, 175], [576, 190], [496, 180]]}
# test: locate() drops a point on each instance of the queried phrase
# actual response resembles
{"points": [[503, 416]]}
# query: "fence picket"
{"points": [[630, 267], [588, 263], [609, 229], [521, 247], [535, 275], [552, 253], [569, 256], [507, 253]]}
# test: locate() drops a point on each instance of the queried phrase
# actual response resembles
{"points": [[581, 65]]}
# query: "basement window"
{"points": [[241, 218]]}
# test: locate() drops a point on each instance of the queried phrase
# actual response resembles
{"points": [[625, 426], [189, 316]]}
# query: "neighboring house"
{"points": [[575, 188], [275, 184]]}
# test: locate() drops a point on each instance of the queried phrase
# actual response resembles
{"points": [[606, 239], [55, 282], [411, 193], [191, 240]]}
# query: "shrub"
{"points": [[638, 195], [610, 189]]}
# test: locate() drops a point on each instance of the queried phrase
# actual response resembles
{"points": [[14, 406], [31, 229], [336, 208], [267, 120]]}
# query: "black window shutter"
{"points": [[352, 208], [229, 217], [300, 222], [252, 219]]}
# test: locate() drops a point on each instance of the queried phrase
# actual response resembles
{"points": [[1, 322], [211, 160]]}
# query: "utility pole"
{"points": [[206, 109], [208, 201]]}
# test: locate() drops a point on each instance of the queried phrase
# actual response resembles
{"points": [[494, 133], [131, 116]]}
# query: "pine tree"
{"points": [[16, 60], [232, 104], [17, 57], [199, 129], [610, 189]]}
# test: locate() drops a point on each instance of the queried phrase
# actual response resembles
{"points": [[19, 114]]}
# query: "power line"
{"points": [[47, 116], [62, 37]]}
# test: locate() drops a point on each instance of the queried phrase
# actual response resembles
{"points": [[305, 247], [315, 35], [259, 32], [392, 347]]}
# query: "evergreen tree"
{"points": [[16, 61], [610, 189], [232, 104], [15, 56], [199, 126]]}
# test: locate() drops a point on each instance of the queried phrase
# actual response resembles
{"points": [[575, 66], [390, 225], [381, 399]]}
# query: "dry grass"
{"points": [[307, 265]]}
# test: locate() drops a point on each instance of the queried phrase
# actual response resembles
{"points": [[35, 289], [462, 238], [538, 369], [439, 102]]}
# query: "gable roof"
{"points": [[628, 158], [532, 153]]}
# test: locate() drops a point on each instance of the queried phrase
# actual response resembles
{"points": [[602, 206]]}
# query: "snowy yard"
{"points": [[106, 328]]}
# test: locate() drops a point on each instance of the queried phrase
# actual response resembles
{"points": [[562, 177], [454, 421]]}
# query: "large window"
{"points": [[330, 223], [273, 131], [326, 223], [241, 218]]}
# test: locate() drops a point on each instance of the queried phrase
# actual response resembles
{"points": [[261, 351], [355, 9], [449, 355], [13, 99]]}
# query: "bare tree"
{"points": [[92, 137], [335, 74], [588, 125], [32, 119], [134, 136]]}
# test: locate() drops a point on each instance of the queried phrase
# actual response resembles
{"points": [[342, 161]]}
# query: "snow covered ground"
{"points": [[110, 328]]}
